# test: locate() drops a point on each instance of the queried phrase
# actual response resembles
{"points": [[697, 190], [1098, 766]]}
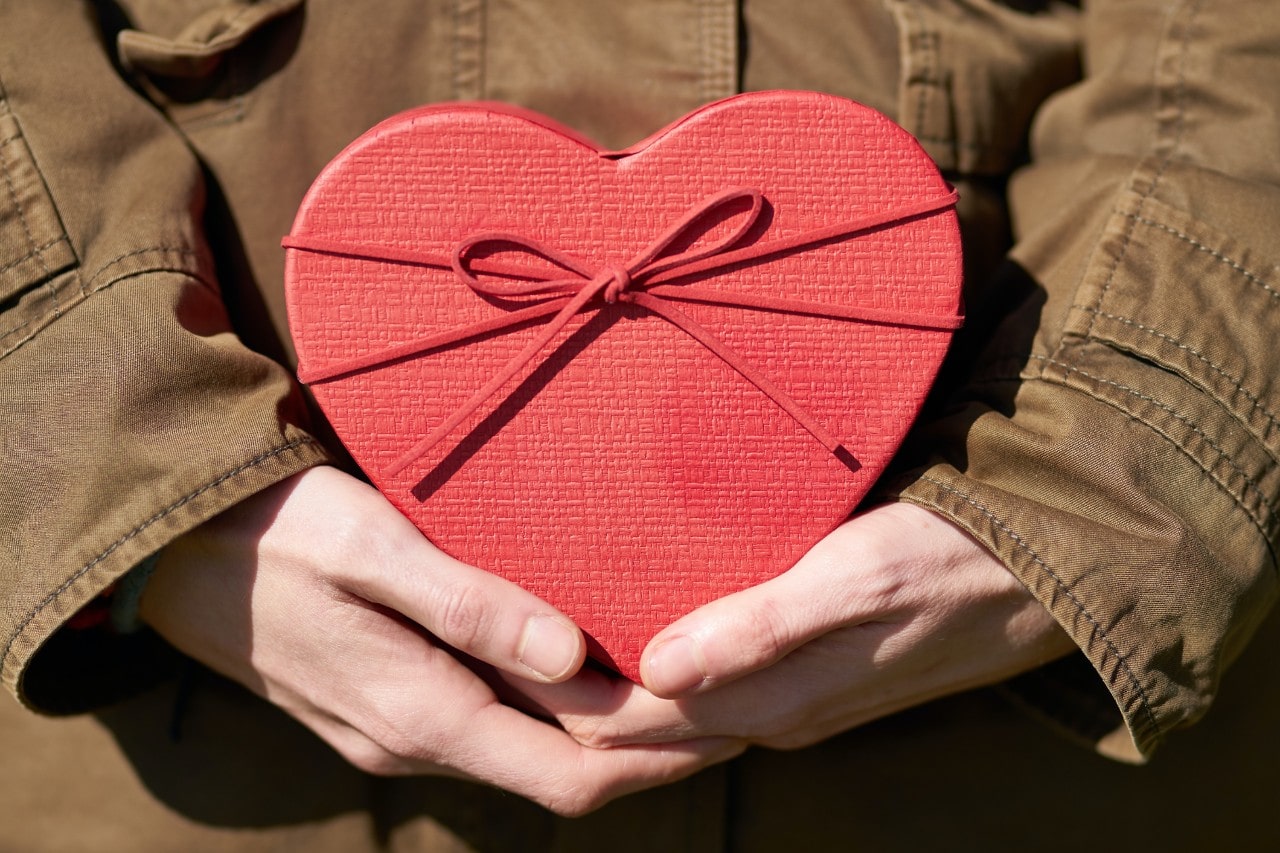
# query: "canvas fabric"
{"points": [[1106, 424]]}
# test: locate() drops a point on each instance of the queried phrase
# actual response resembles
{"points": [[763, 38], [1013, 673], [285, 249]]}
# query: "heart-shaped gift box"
{"points": [[630, 381]]}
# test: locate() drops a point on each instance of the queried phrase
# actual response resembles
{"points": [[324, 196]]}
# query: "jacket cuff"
{"points": [[54, 670], [1106, 505], [167, 424]]}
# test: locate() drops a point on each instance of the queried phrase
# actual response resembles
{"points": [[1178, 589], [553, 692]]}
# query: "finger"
{"points": [[449, 722], [604, 712], [546, 765], [392, 564], [486, 617], [840, 582], [499, 745]]}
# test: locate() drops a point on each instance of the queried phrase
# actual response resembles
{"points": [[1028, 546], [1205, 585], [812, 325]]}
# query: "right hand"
{"points": [[319, 596]]}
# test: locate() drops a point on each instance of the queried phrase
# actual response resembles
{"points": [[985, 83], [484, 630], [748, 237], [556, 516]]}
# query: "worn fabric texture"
{"points": [[1106, 424]]}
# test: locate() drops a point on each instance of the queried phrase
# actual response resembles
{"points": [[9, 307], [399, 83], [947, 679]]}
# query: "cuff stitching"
{"points": [[1236, 383], [85, 292], [1098, 630], [1222, 455], [114, 546], [41, 318]]}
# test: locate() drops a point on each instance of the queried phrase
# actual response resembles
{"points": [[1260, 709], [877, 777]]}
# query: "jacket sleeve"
{"points": [[1115, 437], [131, 412]]}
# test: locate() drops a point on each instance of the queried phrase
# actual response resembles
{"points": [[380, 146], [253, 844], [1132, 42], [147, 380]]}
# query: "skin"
{"points": [[323, 599], [894, 608]]}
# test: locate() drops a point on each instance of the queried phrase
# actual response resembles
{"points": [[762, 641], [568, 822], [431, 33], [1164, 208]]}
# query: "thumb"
{"points": [[754, 628], [388, 562]]}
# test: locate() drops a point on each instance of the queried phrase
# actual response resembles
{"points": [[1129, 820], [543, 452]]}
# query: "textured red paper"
{"points": [[627, 473]]}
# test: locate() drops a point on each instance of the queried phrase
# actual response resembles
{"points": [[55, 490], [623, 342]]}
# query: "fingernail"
{"points": [[676, 666], [548, 646]]}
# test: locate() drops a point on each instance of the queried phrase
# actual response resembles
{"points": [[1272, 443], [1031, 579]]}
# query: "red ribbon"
{"points": [[647, 280]]}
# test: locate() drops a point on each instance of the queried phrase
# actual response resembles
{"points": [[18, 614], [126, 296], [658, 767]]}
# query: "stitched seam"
{"points": [[106, 285], [1133, 417], [89, 287], [178, 250], [16, 329], [471, 53], [35, 250], [912, 66], [716, 21], [1252, 515], [1255, 402], [41, 317], [1235, 265], [929, 72], [1249, 512], [182, 271], [1084, 611], [1223, 456], [704, 49], [32, 251], [457, 48], [1180, 96], [114, 546]]}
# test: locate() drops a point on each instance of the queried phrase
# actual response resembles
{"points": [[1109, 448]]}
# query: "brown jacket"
{"points": [[1107, 424]]}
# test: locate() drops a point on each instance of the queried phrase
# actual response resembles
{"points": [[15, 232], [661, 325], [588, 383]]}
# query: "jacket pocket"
{"points": [[33, 243]]}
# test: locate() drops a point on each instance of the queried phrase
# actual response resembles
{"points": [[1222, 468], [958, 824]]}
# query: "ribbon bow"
{"points": [[648, 280]]}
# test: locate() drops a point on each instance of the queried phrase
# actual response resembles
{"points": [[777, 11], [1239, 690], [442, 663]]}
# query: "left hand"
{"points": [[892, 609]]}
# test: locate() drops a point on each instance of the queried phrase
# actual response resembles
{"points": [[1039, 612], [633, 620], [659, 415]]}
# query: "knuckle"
{"points": [[576, 802], [393, 744], [396, 742], [358, 747], [593, 732], [368, 757], [795, 726], [789, 741], [780, 734], [351, 545], [869, 569], [790, 725], [770, 636], [461, 616], [349, 532]]}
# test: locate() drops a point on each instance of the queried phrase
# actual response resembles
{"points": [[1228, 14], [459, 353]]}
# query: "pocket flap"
{"points": [[199, 48]]}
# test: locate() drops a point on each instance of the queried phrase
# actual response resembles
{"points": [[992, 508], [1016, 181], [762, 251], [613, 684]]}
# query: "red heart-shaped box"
{"points": [[634, 381]]}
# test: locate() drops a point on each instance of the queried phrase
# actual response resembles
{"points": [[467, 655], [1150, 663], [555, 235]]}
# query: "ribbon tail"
{"points": [[491, 387], [784, 400]]}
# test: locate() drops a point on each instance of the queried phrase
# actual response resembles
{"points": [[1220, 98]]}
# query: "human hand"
{"points": [[318, 595], [892, 609]]}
